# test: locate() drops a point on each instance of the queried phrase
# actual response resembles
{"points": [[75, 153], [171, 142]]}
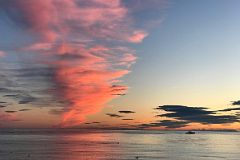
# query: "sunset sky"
{"points": [[155, 64]]}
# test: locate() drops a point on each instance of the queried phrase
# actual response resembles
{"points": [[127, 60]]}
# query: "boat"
{"points": [[190, 132]]}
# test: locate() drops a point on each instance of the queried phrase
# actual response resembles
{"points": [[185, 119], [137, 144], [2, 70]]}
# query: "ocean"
{"points": [[75, 144]]}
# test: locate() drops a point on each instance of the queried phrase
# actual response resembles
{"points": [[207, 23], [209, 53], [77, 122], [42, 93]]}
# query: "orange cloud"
{"points": [[86, 73], [87, 86]]}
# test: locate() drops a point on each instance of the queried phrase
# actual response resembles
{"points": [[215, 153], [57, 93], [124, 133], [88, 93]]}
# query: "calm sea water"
{"points": [[117, 145]]}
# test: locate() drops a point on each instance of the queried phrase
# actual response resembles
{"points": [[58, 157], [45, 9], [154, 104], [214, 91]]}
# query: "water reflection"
{"points": [[118, 145], [92, 146]]}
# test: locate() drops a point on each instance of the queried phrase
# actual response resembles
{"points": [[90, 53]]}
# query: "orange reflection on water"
{"points": [[87, 146]]}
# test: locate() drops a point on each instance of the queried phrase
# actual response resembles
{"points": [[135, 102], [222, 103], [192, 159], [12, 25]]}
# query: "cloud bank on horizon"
{"points": [[178, 116], [81, 49]]}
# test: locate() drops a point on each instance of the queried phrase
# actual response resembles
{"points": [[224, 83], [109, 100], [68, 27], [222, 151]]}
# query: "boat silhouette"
{"points": [[190, 132]]}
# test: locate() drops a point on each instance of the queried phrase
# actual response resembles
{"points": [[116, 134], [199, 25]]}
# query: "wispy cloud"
{"points": [[83, 47], [24, 110], [230, 109], [127, 119], [114, 115], [92, 123], [10, 111], [26, 84], [2, 102], [126, 112]]}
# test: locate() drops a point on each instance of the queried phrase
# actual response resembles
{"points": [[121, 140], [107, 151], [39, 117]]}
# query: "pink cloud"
{"points": [[54, 20], [137, 36], [86, 73]]}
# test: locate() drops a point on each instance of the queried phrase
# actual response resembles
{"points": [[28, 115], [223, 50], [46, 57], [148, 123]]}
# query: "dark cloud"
{"points": [[167, 124], [12, 95], [114, 115], [4, 90], [35, 73], [96, 122], [184, 110], [1, 102], [118, 90], [26, 75], [127, 119], [2, 106], [22, 98], [230, 109], [10, 111], [40, 99], [29, 84], [119, 94], [236, 103], [27, 99], [92, 123], [185, 115], [118, 87], [173, 124], [126, 112], [195, 114], [22, 110]]}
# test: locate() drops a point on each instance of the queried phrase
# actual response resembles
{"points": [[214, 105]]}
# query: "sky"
{"points": [[157, 64]]}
